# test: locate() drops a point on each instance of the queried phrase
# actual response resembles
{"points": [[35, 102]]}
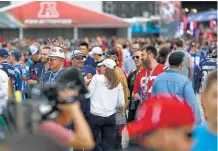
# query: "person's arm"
{"points": [[71, 113], [136, 88], [191, 68], [121, 98], [91, 87], [167, 61], [189, 96]]}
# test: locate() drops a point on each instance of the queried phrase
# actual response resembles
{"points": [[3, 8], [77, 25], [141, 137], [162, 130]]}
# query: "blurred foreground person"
{"points": [[162, 123], [205, 135], [56, 106], [173, 82], [106, 94]]}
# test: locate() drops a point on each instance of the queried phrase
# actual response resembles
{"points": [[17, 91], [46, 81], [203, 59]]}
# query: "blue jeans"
{"points": [[104, 132]]}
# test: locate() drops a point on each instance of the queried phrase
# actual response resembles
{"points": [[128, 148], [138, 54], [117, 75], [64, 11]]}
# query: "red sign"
{"points": [[195, 25], [185, 21]]}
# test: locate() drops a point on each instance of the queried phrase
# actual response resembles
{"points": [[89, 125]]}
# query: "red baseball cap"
{"points": [[161, 112]]}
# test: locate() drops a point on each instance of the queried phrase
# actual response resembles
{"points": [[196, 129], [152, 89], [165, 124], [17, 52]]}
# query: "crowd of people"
{"points": [[139, 92]]}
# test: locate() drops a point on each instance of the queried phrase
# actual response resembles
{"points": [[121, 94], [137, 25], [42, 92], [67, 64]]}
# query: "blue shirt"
{"points": [[204, 140], [19, 71], [175, 83], [88, 69], [35, 70], [90, 61], [129, 65], [51, 76]]}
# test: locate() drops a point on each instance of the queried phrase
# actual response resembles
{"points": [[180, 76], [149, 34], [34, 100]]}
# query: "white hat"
{"points": [[109, 63], [56, 52], [96, 50], [32, 50]]}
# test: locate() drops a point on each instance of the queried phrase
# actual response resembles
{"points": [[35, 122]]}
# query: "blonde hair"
{"points": [[122, 79], [112, 78]]}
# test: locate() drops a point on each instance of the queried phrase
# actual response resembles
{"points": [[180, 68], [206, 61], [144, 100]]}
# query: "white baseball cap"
{"points": [[56, 52], [32, 50], [96, 50], [109, 63]]}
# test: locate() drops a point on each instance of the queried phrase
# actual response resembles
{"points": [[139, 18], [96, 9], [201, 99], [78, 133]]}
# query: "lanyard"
{"points": [[44, 71], [148, 78], [52, 79]]}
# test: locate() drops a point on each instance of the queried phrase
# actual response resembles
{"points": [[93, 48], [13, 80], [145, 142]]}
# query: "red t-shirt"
{"points": [[140, 86]]}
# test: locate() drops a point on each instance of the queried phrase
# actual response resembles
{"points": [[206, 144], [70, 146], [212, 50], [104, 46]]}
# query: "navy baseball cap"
{"points": [[16, 54], [176, 58], [112, 53], [4, 53]]}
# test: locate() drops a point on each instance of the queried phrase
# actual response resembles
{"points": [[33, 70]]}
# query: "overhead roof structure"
{"points": [[54, 14]]}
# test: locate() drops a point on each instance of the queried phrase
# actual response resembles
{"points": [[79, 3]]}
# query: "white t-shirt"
{"points": [[104, 101], [3, 88]]}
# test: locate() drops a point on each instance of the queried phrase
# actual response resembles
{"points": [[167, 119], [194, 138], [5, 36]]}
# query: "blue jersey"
{"points": [[20, 71], [9, 69], [197, 59], [88, 69], [203, 139], [35, 71], [50, 76], [208, 65]]}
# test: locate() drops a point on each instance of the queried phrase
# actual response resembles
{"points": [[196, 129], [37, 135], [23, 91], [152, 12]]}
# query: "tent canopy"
{"points": [[53, 14], [8, 21], [203, 16]]}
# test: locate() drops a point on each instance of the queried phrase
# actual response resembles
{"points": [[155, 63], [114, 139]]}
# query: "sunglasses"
{"points": [[135, 57], [55, 50]]}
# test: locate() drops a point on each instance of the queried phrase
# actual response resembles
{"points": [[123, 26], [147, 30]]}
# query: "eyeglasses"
{"points": [[44, 54], [52, 59], [79, 58], [135, 57]]}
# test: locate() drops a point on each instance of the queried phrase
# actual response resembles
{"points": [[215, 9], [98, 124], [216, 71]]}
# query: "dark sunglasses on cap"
{"points": [[135, 57], [55, 50]]}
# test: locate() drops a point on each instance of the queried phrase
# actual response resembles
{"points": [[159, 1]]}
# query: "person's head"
{"points": [[162, 55], [135, 47], [3, 55], [23, 56], [56, 57], [137, 58], [44, 54], [97, 53], [175, 60], [15, 57], [156, 128], [77, 58], [149, 54], [194, 47], [84, 47], [33, 53], [209, 98], [112, 54], [178, 44], [108, 69]]}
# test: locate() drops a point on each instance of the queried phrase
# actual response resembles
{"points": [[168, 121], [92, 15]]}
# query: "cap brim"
{"points": [[100, 64], [138, 127]]}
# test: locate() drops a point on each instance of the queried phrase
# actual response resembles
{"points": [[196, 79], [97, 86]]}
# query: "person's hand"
{"points": [[23, 77], [31, 82], [137, 97]]}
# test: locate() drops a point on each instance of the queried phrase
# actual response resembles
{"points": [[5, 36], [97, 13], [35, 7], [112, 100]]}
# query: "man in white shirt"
{"points": [[3, 88]]}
